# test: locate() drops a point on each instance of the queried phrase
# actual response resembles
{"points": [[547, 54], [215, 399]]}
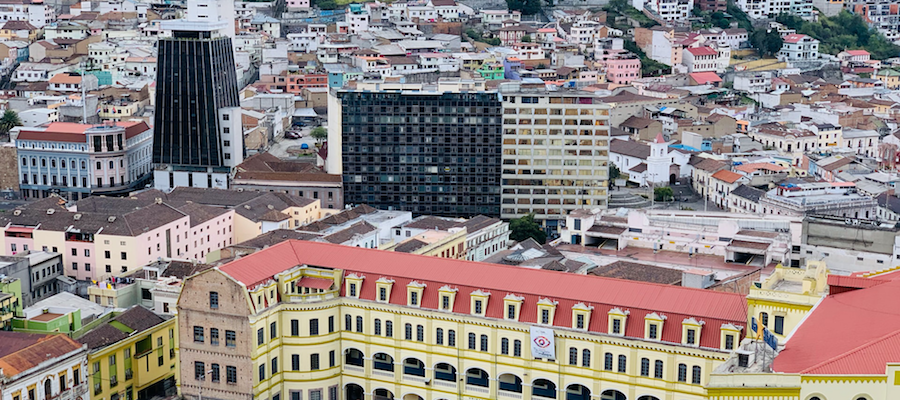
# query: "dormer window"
{"points": [[729, 336], [414, 293], [479, 302], [690, 331], [581, 316], [617, 319], [653, 325], [383, 286], [354, 283], [546, 311], [447, 297], [513, 304]]}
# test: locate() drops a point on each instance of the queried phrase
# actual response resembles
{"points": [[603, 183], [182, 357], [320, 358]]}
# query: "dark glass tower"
{"points": [[195, 79], [426, 152]]}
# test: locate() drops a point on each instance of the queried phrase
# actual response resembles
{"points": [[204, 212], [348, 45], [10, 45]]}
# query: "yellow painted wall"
{"points": [[145, 367]]}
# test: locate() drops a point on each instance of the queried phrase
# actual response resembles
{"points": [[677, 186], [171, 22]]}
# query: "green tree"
{"points": [[663, 194], [842, 32], [9, 120], [527, 7], [526, 39], [614, 172], [526, 227], [319, 133], [766, 43]]}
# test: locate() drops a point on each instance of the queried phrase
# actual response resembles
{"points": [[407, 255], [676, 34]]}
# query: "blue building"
{"points": [[77, 160]]}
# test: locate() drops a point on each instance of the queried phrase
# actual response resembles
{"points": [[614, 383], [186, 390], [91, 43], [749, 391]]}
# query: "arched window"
{"points": [[389, 328], [585, 358], [471, 341], [439, 336], [377, 326], [504, 346], [682, 373], [517, 348], [48, 389], [608, 362], [573, 356], [407, 329]]}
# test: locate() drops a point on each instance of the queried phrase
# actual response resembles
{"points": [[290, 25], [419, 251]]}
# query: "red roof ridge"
{"points": [[849, 352]]}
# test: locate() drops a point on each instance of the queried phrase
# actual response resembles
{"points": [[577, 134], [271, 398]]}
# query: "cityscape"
{"points": [[449, 199]]}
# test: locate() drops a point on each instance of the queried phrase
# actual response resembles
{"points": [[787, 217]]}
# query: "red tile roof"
{"points": [[830, 340], [727, 176], [604, 294], [794, 38], [857, 52], [702, 51], [703, 78], [74, 132], [33, 352]]}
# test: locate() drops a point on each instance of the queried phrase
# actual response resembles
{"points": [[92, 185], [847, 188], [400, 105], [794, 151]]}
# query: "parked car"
{"points": [[292, 135]]}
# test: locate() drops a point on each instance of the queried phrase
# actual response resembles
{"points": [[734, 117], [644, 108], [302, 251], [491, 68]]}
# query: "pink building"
{"points": [[623, 71], [103, 237]]}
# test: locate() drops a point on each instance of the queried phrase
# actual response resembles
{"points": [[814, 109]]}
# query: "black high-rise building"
{"points": [[195, 79], [428, 152]]}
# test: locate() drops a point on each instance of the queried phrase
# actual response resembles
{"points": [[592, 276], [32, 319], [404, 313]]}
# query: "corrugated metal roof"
{"points": [[854, 332], [604, 294]]}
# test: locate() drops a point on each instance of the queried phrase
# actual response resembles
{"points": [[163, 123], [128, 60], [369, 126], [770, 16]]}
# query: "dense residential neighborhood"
{"points": [[449, 199]]}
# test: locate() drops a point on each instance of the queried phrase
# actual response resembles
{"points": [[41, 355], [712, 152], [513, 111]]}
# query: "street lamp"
{"points": [[202, 379]]}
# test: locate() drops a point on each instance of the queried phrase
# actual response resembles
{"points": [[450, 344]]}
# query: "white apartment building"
{"points": [[753, 82], [799, 47], [36, 13], [308, 38], [757, 9], [671, 10], [701, 59], [555, 152]]}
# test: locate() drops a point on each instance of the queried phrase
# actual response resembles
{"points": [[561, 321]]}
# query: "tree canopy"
{"points": [[767, 43], [527, 7], [842, 32], [319, 133], [9, 120], [526, 227]]}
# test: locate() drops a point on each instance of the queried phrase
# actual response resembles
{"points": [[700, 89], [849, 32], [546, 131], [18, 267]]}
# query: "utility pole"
{"points": [[83, 94]]}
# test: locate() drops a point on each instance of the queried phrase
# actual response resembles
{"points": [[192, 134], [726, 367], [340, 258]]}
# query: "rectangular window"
{"points": [[695, 375], [274, 365], [313, 327], [352, 290], [382, 294], [579, 321], [331, 323], [214, 336], [231, 374], [198, 334], [652, 334], [314, 362], [389, 328], [478, 305], [273, 332], [645, 367], [332, 360], [359, 324], [295, 362], [260, 336], [545, 316], [262, 372], [414, 298], [295, 327], [729, 342], [658, 369], [691, 336], [230, 338], [348, 322], [214, 373], [779, 324], [213, 298], [445, 303], [199, 370], [511, 311]]}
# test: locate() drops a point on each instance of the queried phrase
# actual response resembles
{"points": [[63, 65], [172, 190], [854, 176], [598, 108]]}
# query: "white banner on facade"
{"points": [[542, 343]]}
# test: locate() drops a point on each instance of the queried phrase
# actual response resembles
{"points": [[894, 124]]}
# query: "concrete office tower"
{"points": [[198, 136], [555, 152], [430, 149]]}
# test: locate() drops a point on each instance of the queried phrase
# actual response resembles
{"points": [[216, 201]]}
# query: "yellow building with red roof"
{"points": [[315, 320]]}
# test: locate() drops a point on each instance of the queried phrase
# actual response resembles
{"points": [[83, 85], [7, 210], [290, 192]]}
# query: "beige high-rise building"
{"points": [[555, 152]]}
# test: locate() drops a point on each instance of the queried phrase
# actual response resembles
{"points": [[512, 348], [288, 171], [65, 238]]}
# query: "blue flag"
{"points": [[768, 337]]}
